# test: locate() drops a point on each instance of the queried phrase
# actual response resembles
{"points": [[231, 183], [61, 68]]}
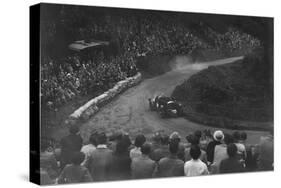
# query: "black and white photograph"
{"points": [[129, 94]]}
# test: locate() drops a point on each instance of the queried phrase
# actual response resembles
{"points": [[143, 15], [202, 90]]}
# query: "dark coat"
{"points": [[169, 167], [120, 168], [70, 145], [159, 153], [211, 149], [74, 174], [142, 167], [231, 165]]}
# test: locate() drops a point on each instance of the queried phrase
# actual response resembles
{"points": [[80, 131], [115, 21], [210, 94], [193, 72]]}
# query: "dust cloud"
{"points": [[182, 62]]}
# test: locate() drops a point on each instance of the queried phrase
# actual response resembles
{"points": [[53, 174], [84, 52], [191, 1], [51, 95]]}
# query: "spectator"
{"points": [[67, 76], [114, 139], [48, 162], [143, 166], [251, 162], [156, 140], [74, 172], [195, 167], [265, 160], [103, 164], [127, 141], [121, 162], [217, 138], [220, 152], [100, 160], [243, 137], [89, 148], [206, 138], [194, 141], [241, 149], [163, 150], [232, 163], [170, 166], [45, 178], [175, 137], [251, 154], [136, 151], [70, 145], [198, 133]]}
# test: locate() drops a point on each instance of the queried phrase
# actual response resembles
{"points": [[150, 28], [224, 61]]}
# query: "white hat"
{"points": [[175, 135], [218, 135]]}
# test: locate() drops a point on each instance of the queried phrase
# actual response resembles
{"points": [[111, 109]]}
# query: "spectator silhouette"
{"points": [[136, 151], [195, 166], [74, 172], [143, 166], [100, 160], [232, 164], [120, 168], [70, 145], [170, 166]]}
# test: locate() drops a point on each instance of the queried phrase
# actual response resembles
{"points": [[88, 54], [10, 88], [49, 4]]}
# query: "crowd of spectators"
{"points": [[118, 157], [64, 78], [60, 82]]}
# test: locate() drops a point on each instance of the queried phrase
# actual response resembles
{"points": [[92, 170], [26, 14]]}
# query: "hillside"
{"points": [[238, 91]]}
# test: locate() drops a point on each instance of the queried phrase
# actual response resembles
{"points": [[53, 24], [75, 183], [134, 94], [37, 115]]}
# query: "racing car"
{"points": [[166, 106]]}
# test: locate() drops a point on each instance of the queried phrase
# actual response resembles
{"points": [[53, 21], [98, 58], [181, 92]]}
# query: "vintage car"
{"points": [[166, 106]]}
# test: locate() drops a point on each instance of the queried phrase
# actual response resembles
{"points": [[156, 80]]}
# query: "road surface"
{"points": [[130, 112]]}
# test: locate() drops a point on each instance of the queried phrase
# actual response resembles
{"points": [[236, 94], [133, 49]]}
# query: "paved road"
{"points": [[130, 111]]}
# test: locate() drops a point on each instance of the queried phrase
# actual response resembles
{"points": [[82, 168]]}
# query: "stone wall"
{"points": [[93, 105]]}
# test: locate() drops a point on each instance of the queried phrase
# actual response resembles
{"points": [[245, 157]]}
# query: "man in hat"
{"points": [[217, 137], [220, 152]]}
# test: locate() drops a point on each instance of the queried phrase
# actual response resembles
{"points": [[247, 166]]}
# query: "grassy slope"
{"points": [[224, 94]]}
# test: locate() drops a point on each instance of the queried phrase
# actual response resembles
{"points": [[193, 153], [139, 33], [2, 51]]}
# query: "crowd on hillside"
{"points": [[66, 77], [117, 157], [61, 82]]}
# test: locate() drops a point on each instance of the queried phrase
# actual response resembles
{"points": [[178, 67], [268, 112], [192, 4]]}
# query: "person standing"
{"points": [[143, 166], [70, 144], [156, 140], [175, 137], [136, 151], [162, 151], [265, 148], [220, 153], [232, 164], [74, 172], [170, 166], [241, 149], [217, 137], [194, 141], [48, 162], [89, 148], [120, 168], [195, 167], [100, 160]]}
